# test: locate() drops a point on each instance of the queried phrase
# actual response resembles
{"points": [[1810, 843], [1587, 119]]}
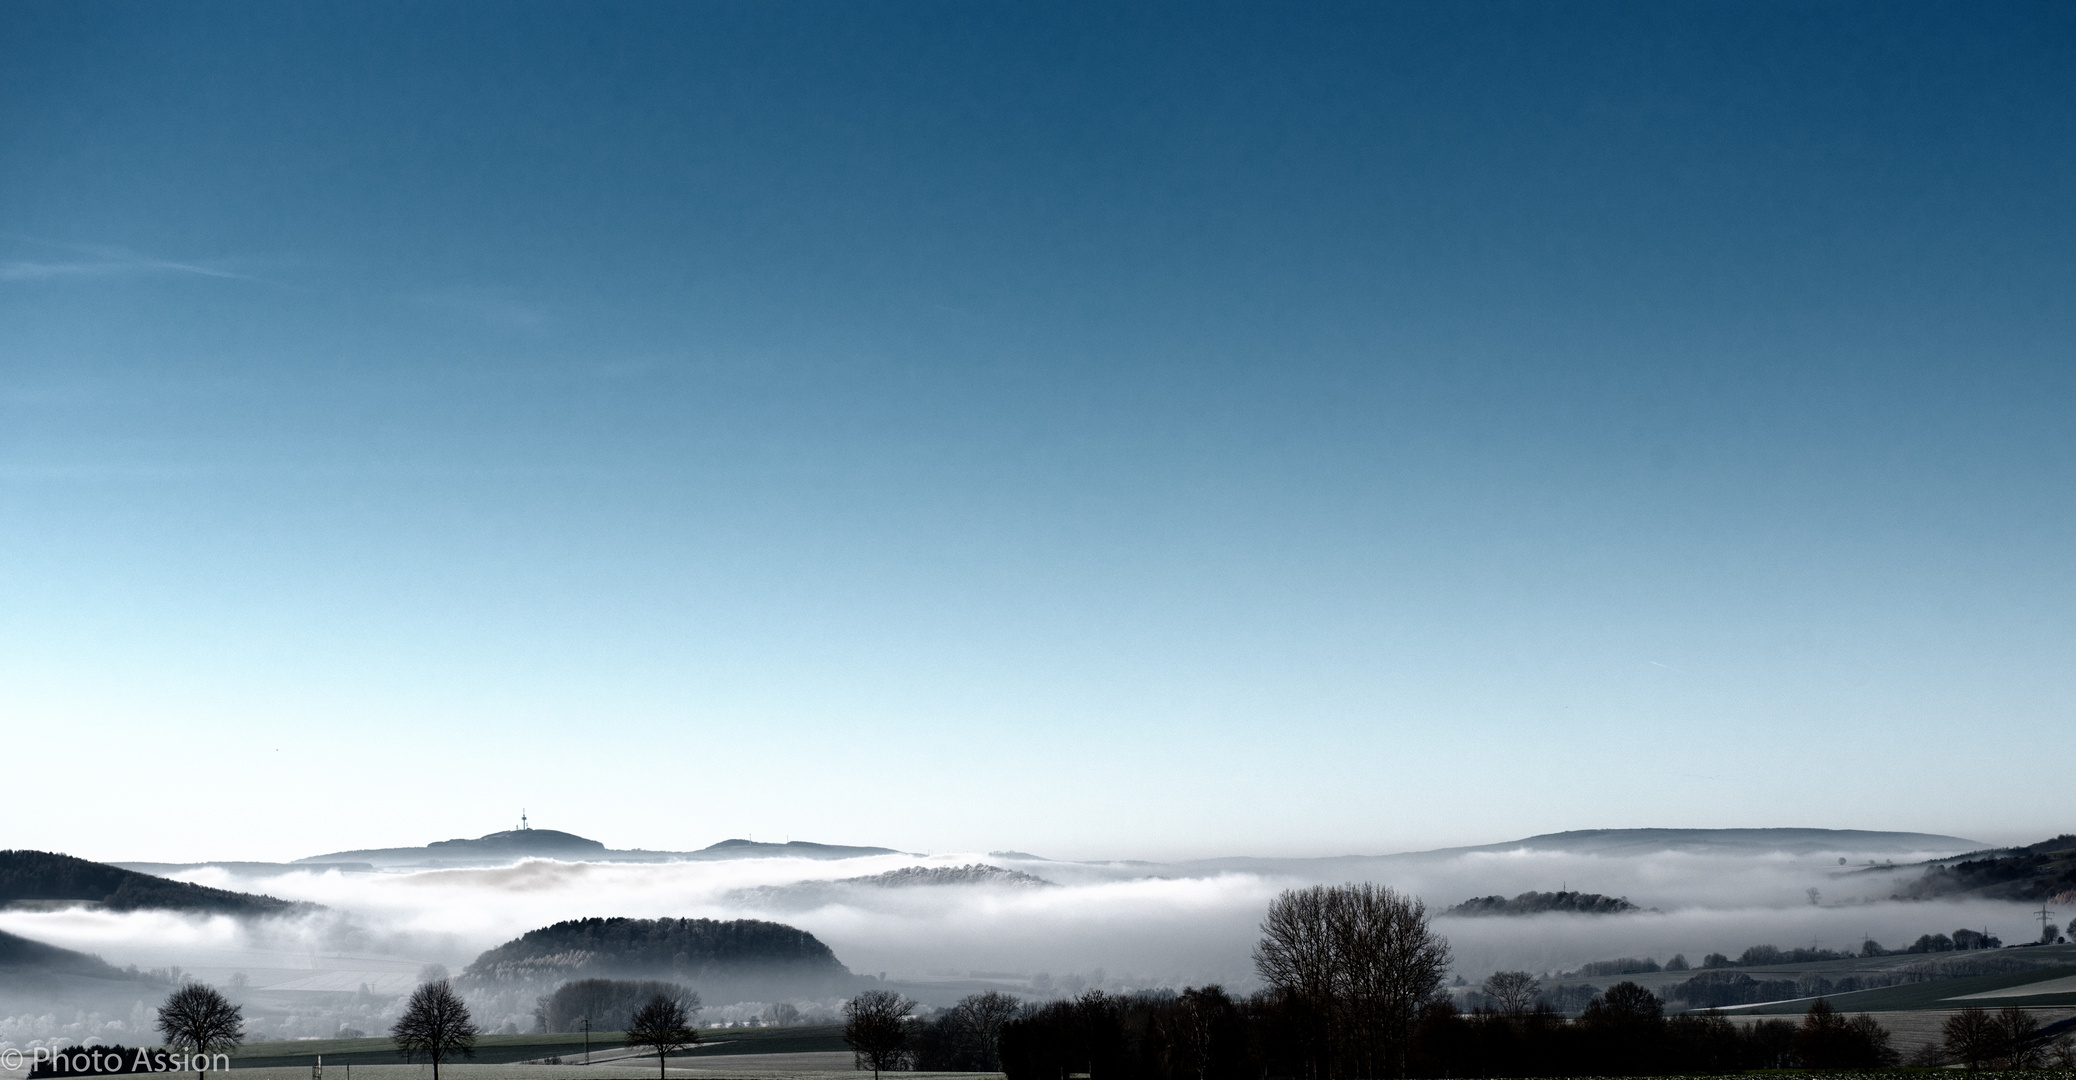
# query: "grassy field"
{"points": [[1932, 995], [570, 1072], [507, 1049], [2046, 956], [552, 1072]]}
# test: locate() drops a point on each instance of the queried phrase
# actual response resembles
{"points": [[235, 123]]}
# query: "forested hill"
{"points": [[19, 953], [47, 876], [2042, 871], [1535, 903], [696, 950]]}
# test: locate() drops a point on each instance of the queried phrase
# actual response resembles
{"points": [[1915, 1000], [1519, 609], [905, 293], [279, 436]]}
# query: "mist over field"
{"points": [[1112, 925]]}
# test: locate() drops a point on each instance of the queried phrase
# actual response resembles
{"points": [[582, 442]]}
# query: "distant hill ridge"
{"points": [[1786, 841], [1618, 843], [970, 874], [819, 892], [49, 876], [512, 845]]}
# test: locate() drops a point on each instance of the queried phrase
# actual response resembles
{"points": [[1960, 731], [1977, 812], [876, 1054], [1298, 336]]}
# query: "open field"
{"points": [[510, 1049], [723, 1070], [2029, 989], [2045, 957], [1917, 1027]]}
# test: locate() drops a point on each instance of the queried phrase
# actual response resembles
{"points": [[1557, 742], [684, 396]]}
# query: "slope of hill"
{"points": [[1730, 841], [2042, 871], [1613, 843], [719, 959], [807, 895], [50, 877], [18, 954]]}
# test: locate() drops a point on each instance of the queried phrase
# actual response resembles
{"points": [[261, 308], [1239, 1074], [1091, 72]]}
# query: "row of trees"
{"points": [[1963, 940], [1354, 989], [605, 1003], [883, 1032], [435, 1025], [1205, 1034], [2009, 1038]]}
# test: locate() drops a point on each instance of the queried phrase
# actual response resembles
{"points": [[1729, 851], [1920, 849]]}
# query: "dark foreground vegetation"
{"points": [[1354, 989], [604, 1003], [1204, 1034]]}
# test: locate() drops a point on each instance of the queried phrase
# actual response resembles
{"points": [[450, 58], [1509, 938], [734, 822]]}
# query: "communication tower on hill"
{"points": [[523, 826]]}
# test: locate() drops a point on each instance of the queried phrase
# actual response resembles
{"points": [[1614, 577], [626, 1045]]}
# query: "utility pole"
{"points": [[587, 1040]]}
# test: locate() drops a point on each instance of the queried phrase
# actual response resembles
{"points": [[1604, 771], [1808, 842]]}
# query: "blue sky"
{"points": [[1098, 430]]}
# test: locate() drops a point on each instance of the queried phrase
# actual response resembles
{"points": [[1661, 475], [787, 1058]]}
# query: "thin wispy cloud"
{"points": [[104, 262]]}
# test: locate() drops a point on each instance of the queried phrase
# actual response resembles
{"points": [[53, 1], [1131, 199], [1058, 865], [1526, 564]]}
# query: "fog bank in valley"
{"points": [[1117, 925]]}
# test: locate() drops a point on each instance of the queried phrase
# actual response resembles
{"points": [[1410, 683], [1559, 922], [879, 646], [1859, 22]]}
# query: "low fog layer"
{"points": [[1117, 925]]}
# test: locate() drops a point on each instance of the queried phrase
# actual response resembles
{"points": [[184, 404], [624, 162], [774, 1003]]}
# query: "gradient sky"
{"points": [[1105, 430]]}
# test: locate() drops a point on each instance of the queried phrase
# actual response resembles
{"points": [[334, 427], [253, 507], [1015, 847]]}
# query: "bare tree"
{"points": [[661, 1025], [201, 1021], [1514, 991], [1390, 964], [875, 1028], [782, 1014], [1295, 957], [435, 1024], [1191, 1029], [1971, 1037], [982, 1016], [2018, 1041], [1356, 962]]}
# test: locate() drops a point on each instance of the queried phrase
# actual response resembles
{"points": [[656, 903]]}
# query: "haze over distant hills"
{"points": [[1625, 843], [514, 844], [500, 848], [1727, 841]]}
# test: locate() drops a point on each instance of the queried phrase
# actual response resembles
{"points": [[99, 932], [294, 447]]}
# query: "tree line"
{"points": [[1353, 988], [1207, 1034], [435, 1027]]}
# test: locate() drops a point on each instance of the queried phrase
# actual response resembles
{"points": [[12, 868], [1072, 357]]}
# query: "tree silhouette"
{"points": [[1354, 964], [1513, 991], [436, 1024], [1971, 1037], [663, 1026], [198, 1019], [875, 1028]]}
